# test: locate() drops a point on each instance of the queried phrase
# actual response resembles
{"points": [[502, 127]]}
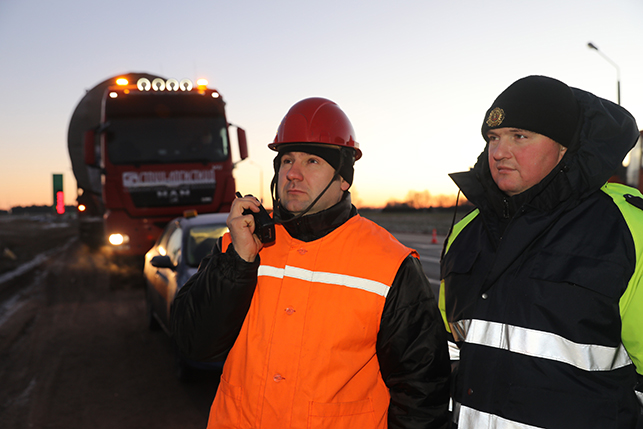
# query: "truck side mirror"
{"points": [[89, 150], [243, 143]]}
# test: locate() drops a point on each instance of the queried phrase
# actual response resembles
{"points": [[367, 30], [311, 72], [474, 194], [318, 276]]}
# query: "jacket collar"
{"points": [[312, 227]]}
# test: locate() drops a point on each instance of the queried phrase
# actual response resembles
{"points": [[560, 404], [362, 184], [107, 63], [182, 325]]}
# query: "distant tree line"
{"points": [[424, 201], [397, 207], [35, 210]]}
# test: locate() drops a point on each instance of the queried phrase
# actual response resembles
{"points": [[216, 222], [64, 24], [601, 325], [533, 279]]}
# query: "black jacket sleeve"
{"points": [[412, 352], [639, 394], [209, 310]]}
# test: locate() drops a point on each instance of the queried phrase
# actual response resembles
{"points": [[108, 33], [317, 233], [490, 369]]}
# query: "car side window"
{"points": [[161, 243], [201, 241], [174, 246]]}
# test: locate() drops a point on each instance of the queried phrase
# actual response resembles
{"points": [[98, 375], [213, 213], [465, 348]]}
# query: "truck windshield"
{"points": [[145, 140]]}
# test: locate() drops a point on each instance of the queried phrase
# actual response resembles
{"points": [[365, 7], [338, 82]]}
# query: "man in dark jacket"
{"points": [[541, 282], [334, 324]]}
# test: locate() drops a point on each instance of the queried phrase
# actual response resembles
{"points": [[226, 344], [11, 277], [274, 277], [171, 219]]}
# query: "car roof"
{"points": [[203, 219]]}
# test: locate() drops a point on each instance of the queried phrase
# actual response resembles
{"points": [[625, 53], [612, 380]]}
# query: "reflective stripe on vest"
{"points": [[328, 278], [470, 419], [545, 345]]}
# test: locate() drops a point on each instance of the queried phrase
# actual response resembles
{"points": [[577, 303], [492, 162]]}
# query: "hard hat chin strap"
{"points": [[276, 201]]}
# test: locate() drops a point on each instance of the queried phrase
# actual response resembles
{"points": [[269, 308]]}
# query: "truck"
{"points": [[144, 149]]}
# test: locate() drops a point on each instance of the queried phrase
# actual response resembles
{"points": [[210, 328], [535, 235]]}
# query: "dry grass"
{"points": [[24, 237], [420, 222]]}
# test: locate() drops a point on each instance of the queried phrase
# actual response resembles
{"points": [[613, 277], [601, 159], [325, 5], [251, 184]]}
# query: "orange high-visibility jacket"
{"points": [[306, 356]]}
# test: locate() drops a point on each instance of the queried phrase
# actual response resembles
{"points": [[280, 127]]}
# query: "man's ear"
{"points": [[344, 185]]}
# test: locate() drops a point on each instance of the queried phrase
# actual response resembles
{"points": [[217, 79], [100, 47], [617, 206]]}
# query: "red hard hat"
{"points": [[316, 120]]}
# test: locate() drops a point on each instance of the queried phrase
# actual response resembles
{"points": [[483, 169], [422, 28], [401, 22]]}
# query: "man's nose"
{"points": [[294, 172], [501, 149]]}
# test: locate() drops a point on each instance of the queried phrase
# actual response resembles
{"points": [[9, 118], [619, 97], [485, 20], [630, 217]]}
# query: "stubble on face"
{"points": [[302, 178]]}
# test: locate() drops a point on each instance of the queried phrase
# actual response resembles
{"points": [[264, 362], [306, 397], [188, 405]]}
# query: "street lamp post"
{"points": [[618, 70], [260, 179]]}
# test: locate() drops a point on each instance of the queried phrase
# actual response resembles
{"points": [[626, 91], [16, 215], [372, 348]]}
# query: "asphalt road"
{"points": [[429, 254], [75, 351]]}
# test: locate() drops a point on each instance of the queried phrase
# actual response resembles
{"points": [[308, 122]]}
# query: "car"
{"points": [[168, 265]]}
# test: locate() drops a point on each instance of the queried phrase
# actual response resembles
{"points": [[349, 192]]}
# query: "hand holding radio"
{"points": [[264, 224], [247, 232]]}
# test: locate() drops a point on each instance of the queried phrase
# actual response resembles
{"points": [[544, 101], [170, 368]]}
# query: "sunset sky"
{"points": [[414, 77]]}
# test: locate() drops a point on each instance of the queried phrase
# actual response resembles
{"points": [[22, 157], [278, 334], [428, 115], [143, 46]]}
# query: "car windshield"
{"points": [[201, 240], [143, 140]]}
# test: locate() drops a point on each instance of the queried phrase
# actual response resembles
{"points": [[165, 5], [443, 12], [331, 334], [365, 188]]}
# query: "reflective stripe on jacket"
{"points": [[306, 354]]}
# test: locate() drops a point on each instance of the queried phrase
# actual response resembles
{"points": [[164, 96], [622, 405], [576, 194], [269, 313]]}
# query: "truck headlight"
{"points": [[118, 239]]}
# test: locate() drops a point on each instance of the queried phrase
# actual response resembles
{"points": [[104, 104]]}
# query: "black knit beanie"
{"points": [[330, 153], [539, 104]]}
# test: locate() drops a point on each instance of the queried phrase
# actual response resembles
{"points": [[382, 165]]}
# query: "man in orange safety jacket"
{"points": [[332, 325]]}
